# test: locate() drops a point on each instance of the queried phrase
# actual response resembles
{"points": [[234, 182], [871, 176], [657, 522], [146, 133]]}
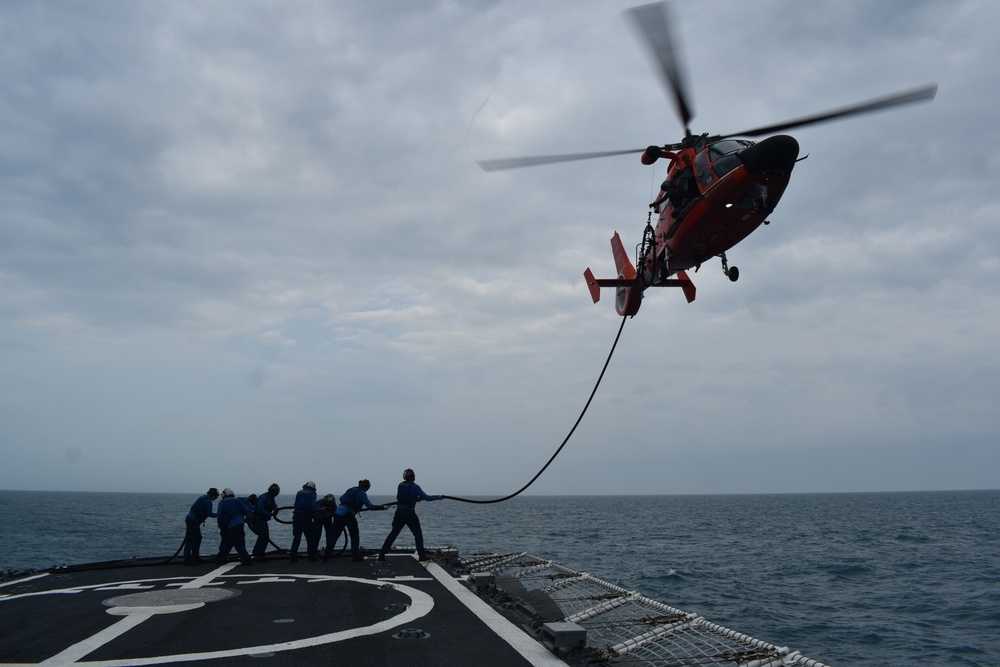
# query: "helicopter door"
{"points": [[703, 170]]}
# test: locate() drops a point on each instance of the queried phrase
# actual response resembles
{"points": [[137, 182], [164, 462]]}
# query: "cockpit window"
{"points": [[718, 160], [725, 147], [726, 164], [724, 157]]}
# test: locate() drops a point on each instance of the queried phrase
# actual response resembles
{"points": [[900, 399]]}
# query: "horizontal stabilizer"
{"points": [[615, 282], [628, 285], [595, 284]]}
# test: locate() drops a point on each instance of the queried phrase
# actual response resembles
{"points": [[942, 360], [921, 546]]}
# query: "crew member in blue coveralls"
{"points": [[324, 521], [351, 503], [408, 494], [233, 514], [200, 510], [303, 513], [265, 508]]}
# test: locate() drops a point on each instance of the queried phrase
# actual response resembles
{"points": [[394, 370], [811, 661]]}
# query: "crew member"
{"points": [[265, 508], [351, 503], [233, 514], [324, 521], [408, 494], [303, 513], [200, 510]]}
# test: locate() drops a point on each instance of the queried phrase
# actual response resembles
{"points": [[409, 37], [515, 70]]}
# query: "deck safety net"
{"points": [[623, 628]]}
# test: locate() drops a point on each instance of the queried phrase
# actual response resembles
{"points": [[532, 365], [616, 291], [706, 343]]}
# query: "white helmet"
{"points": [[228, 493], [309, 485]]}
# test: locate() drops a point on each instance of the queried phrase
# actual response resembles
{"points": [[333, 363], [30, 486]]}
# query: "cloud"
{"points": [[260, 230]]}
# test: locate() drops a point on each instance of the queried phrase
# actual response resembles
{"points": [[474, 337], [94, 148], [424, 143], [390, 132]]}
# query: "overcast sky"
{"points": [[245, 242]]}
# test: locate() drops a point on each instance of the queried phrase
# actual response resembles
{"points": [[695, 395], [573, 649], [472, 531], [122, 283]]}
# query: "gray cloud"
{"points": [[245, 241]]}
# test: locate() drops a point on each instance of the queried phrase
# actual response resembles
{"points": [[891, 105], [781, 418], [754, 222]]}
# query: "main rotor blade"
{"points": [[654, 26], [878, 104], [517, 162]]}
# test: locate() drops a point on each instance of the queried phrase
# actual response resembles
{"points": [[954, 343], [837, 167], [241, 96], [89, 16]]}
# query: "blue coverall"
{"points": [[350, 504], [407, 495], [262, 513], [233, 515], [200, 510], [303, 513]]}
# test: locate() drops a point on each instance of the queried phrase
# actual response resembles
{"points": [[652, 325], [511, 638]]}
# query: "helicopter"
{"points": [[719, 188]]}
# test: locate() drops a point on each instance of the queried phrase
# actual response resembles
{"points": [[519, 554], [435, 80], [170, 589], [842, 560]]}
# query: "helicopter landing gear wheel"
{"points": [[731, 272]]}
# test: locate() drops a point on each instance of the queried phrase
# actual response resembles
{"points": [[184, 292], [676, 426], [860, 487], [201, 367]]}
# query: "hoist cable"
{"points": [[568, 435]]}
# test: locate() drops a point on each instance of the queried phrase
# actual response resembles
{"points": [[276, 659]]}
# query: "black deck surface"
{"points": [[274, 613]]}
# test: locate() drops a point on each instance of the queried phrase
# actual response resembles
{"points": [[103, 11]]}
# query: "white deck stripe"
{"points": [[77, 651], [14, 582], [520, 641], [206, 579]]}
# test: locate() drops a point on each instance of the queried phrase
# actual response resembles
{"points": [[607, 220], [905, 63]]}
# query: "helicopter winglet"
{"points": [[684, 283], [593, 285]]}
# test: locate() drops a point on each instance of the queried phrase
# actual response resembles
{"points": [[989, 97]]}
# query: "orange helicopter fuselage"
{"points": [[712, 200], [715, 195]]}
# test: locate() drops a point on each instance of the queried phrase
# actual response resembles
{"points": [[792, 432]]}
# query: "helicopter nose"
{"points": [[777, 153]]}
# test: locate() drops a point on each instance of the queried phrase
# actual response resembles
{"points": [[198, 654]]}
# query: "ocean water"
{"points": [[875, 579]]}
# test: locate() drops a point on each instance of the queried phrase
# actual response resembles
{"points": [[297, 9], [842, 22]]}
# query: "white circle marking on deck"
{"points": [[420, 605]]}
